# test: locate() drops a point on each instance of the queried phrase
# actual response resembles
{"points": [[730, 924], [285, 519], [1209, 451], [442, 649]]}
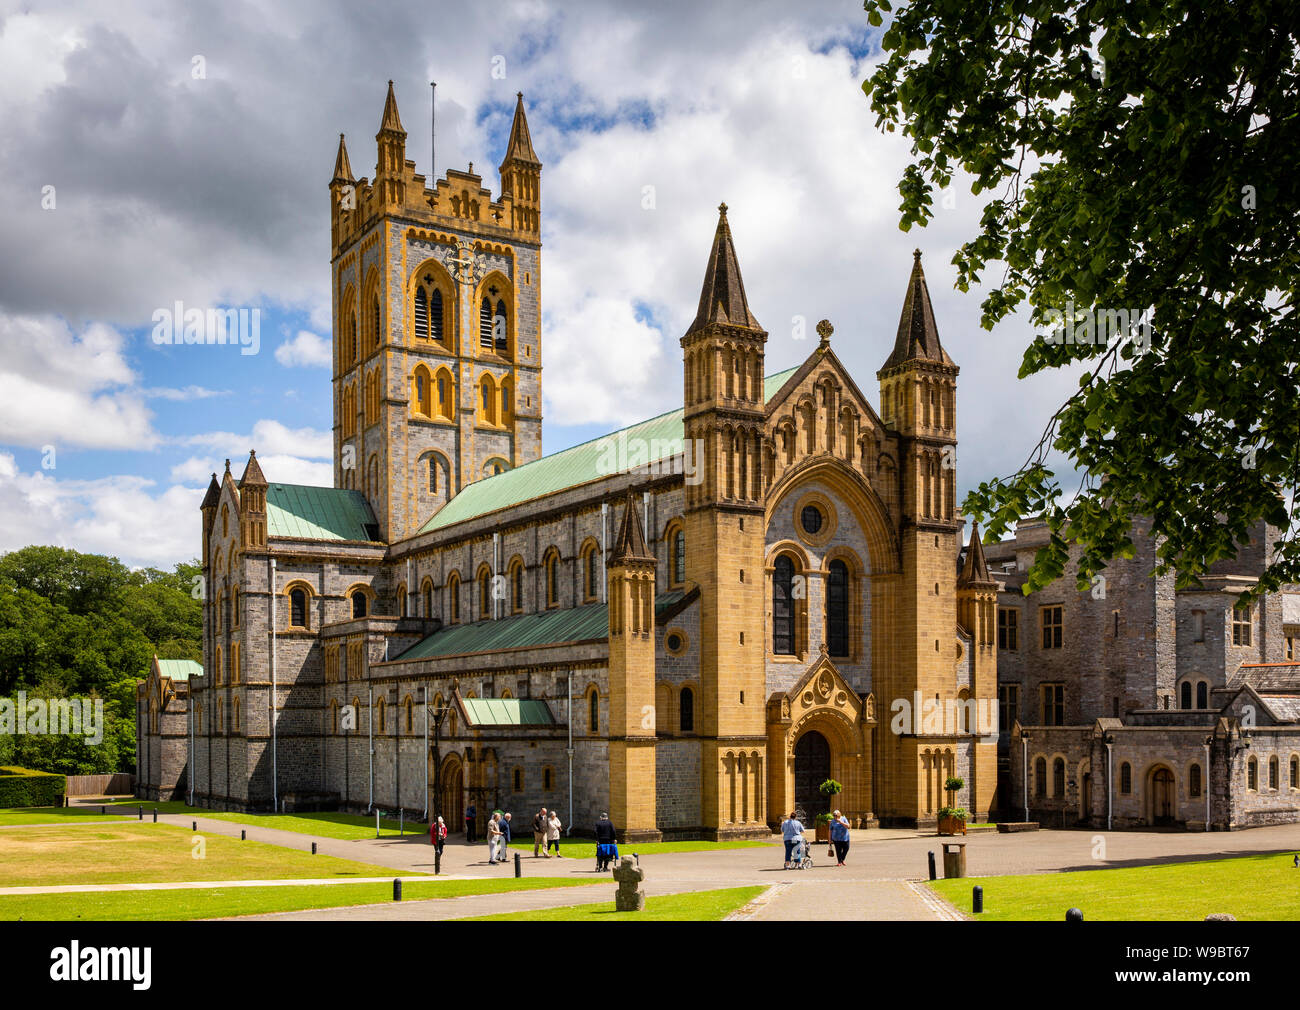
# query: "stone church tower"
{"points": [[437, 325], [725, 417]]}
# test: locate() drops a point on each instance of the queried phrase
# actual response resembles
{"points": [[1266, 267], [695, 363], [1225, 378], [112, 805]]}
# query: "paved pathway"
{"points": [[178, 885], [875, 883]]}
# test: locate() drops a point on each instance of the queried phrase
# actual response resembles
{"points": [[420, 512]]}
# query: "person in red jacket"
{"points": [[438, 835]]}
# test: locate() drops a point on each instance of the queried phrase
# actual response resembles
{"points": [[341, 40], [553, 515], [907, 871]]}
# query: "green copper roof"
{"points": [[588, 623], [179, 669], [661, 436], [507, 712], [318, 513]]}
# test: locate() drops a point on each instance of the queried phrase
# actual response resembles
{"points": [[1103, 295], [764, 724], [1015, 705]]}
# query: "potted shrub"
{"points": [[952, 820], [830, 789]]}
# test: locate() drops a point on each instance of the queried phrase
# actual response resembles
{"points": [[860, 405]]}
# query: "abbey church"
{"points": [[762, 595]]}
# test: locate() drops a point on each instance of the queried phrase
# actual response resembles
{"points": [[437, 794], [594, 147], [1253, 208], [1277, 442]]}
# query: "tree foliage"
{"points": [[1141, 156], [85, 626]]}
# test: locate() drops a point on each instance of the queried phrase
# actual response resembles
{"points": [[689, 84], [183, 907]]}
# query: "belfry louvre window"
{"points": [[837, 609], [421, 314], [1053, 624], [783, 607], [1241, 625], [1008, 630], [1053, 704], [679, 557]]}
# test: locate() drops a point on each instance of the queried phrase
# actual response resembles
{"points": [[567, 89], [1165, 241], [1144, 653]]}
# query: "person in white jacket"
{"points": [[553, 826]]}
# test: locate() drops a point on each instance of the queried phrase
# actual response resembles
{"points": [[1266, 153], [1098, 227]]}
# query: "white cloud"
{"points": [[278, 469], [124, 516], [66, 388], [268, 437], [306, 350], [187, 393]]}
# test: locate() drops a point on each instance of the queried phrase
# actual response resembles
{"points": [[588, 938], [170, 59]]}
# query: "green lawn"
{"points": [[587, 850], [49, 815], [1249, 887], [129, 852], [325, 825], [696, 906], [216, 902]]}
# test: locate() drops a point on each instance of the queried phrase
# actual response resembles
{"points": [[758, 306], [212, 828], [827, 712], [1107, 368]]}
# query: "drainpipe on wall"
{"points": [[1110, 777], [275, 769], [1207, 785], [604, 546], [1024, 774], [425, 689], [569, 827]]}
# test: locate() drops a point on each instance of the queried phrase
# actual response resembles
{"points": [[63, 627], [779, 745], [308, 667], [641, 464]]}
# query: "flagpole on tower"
{"points": [[433, 135]]}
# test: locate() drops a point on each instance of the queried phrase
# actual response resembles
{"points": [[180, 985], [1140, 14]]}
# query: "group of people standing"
{"points": [[546, 833], [792, 829]]}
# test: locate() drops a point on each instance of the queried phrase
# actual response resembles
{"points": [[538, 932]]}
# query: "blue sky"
{"points": [[188, 150]]}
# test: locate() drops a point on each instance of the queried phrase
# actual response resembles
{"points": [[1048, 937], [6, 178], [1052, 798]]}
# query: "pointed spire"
{"points": [[252, 473], [630, 544], [342, 166], [392, 121], [722, 298], [520, 147], [918, 336], [975, 570], [213, 496]]}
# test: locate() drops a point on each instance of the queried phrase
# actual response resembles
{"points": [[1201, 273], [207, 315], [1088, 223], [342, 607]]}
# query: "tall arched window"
{"points": [[1194, 781], [1040, 777], [1272, 772], [593, 711], [298, 608], [590, 573], [1202, 695], [484, 592], [1185, 695], [517, 586], [783, 606], [837, 609], [1126, 778], [401, 601], [453, 596], [444, 394], [686, 711], [552, 579], [427, 593], [374, 323], [422, 392], [507, 401], [487, 405], [359, 603], [1058, 777], [677, 556], [1252, 774], [1295, 772]]}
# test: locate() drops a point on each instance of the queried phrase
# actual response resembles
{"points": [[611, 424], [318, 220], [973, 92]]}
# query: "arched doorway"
{"points": [[452, 783], [1162, 796], [812, 767]]}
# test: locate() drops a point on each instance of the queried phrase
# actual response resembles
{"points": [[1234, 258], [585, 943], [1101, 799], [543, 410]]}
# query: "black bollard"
{"points": [[139, 813], [155, 815], [1074, 915], [313, 848], [397, 888], [932, 873], [103, 810], [243, 835], [401, 821], [977, 899], [518, 871], [194, 825], [437, 862]]}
